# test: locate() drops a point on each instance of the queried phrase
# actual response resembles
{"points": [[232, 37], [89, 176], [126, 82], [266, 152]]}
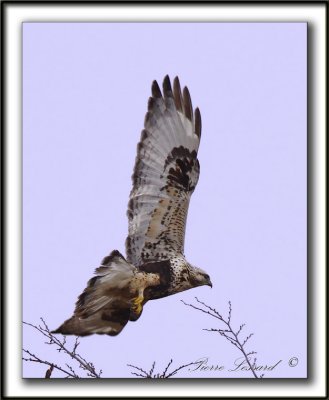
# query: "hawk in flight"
{"points": [[165, 175]]}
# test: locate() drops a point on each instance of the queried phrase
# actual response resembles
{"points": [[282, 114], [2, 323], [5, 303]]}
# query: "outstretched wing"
{"points": [[165, 175]]}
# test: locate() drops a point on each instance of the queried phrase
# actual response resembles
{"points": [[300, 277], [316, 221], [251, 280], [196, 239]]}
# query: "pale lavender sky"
{"points": [[85, 92]]}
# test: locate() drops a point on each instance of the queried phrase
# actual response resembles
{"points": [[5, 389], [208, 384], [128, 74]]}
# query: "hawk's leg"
{"points": [[137, 307]]}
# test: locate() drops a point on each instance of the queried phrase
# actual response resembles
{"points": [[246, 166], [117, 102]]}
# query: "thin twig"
{"points": [[167, 367], [178, 369], [204, 311], [144, 373], [162, 375]]}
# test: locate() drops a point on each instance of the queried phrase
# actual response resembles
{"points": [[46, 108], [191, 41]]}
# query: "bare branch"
{"points": [[210, 308], [178, 369], [228, 333], [61, 347], [71, 369], [144, 373], [152, 369], [240, 329], [200, 309], [217, 330], [230, 312], [246, 339], [167, 367], [161, 375], [34, 358]]}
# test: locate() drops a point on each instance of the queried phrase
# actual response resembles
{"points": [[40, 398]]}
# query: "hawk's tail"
{"points": [[104, 306]]}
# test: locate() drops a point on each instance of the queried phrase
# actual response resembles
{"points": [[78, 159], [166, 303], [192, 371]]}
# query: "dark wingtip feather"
{"points": [[108, 259], [150, 104], [187, 104], [167, 91], [147, 118], [144, 135], [197, 122], [156, 92], [178, 95]]}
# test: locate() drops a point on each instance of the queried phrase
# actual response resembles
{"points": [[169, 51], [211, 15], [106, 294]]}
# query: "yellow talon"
{"points": [[136, 306]]}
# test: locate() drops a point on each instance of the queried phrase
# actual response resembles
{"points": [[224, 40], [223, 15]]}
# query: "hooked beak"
{"points": [[209, 284]]}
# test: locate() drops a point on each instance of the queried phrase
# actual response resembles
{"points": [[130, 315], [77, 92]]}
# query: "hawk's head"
{"points": [[198, 277]]}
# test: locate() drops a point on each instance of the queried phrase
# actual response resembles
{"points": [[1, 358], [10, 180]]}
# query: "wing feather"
{"points": [[165, 175]]}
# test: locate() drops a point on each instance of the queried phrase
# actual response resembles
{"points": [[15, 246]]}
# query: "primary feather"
{"points": [[165, 175]]}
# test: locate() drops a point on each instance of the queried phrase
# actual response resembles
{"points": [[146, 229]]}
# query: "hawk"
{"points": [[165, 175]]}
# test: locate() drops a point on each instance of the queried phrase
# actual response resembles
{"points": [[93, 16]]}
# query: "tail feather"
{"points": [[109, 322], [104, 305]]}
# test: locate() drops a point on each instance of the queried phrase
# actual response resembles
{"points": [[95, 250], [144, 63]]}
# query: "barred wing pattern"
{"points": [[165, 175]]}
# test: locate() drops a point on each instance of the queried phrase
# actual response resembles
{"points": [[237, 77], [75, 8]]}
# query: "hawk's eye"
{"points": [[206, 276]]}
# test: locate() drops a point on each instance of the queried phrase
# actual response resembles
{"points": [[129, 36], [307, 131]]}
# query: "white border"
{"points": [[16, 14]]}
